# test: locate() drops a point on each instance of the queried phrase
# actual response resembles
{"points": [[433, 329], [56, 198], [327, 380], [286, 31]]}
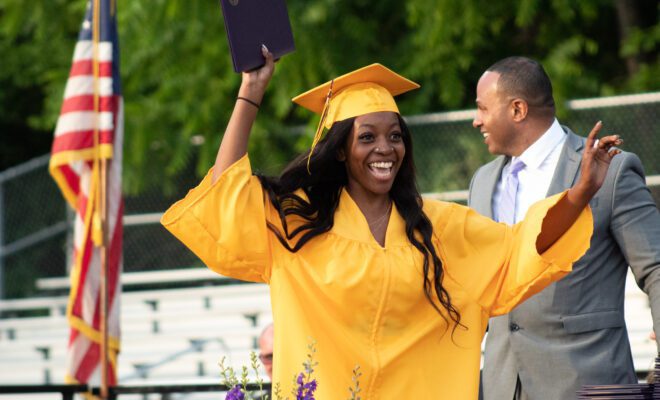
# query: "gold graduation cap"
{"points": [[363, 91]]}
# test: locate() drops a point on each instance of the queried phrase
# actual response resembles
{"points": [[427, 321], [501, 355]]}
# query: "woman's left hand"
{"points": [[598, 154]]}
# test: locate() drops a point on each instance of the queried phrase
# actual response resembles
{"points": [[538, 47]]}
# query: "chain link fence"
{"points": [[34, 221]]}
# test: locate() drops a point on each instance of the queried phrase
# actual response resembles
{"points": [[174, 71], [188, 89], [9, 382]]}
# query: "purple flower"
{"points": [[311, 386], [235, 394], [305, 390]]}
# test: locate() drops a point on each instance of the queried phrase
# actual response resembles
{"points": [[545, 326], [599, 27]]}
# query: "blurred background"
{"points": [[179, 89]]}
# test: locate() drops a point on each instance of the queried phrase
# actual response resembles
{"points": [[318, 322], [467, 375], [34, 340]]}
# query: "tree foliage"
{"points": [[179, 86]]}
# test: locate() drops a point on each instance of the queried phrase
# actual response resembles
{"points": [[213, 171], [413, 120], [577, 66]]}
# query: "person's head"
{"points": [[266, 349], [373, 154], [374, 150], [514, 105], [370, 153], [367, 150]]}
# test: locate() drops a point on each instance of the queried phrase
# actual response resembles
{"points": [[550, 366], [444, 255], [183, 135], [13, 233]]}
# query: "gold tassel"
{"points": [[319, 128]]}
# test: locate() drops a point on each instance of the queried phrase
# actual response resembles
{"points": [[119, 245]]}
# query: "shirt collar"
{"points": [[536, 154]]}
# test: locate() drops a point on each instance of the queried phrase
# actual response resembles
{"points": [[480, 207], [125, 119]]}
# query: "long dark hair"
{"points": [[323, 188]]}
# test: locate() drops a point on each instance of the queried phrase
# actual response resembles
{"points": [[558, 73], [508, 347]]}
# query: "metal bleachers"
{"points": [[640, 325], [168, 335], [179, 335]]}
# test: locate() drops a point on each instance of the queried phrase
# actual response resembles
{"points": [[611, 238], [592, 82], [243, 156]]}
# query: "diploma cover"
{"points": [[251, 23]]}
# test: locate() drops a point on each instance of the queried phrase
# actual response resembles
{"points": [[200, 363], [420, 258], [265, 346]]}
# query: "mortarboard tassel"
{"points": [[319, 128]]}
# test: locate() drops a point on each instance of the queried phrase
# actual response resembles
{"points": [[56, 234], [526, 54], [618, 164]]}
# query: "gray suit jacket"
{"points": [[573, 333]]}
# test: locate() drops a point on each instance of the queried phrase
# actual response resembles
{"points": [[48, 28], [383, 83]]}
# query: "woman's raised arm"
{"points": [[235, 140], [595, 163]]}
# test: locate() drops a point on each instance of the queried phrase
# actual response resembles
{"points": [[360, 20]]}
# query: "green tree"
{"points": [[179, 85]]}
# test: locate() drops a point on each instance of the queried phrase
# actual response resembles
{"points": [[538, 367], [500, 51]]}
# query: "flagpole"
{"points": [[104, 280], [101, 204]]}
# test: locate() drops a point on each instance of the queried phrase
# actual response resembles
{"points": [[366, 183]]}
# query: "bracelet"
{"points": [[249, 101]]}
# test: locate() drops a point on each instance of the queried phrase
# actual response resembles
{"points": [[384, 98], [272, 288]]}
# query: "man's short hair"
{"points": [[522, 77]]}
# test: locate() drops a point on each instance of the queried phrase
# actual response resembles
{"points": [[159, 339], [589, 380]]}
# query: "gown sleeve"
{"points": [[224, 223], [498, 265]]}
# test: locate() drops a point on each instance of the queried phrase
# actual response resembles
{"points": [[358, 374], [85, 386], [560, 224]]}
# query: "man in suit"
{"points": [[572, 333]]}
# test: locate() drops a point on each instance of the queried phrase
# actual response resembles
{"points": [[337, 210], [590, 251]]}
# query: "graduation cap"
{"points": [[363, 91]]}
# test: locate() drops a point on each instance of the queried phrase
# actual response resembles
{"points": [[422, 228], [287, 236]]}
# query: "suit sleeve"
{"points": [[498, 266], [224, 224], [635, 225]]}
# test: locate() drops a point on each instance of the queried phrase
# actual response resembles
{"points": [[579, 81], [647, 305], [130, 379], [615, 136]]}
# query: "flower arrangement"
{"points": [[238, 389], [304, 384]]}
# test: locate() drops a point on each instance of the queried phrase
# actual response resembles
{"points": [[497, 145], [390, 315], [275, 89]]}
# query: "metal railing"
{"points": [[165, 391], [35, 232]]}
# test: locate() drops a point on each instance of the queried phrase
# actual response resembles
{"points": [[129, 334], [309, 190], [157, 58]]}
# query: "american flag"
{"points": [[90, 130]]}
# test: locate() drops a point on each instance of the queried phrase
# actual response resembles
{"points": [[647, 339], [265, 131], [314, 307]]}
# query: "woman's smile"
{"points": [[381, 169]]}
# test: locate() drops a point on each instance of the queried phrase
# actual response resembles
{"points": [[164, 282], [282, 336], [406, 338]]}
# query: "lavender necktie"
{"points": [[507, 208]]}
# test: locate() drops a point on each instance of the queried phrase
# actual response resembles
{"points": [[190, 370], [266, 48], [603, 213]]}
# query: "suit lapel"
{"points": [[489, 182], [568, 165]]}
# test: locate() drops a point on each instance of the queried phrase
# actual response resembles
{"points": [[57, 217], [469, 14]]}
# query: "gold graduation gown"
{"points": [[364, 304]]}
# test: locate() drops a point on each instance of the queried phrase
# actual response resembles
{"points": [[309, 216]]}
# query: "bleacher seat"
{"points": [[168, 335], [640, 325], [179, 335]]}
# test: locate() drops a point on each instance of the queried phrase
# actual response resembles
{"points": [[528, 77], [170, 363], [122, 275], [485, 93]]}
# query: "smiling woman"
{"points": [[371, 169], [373, 152], [357, 260]]}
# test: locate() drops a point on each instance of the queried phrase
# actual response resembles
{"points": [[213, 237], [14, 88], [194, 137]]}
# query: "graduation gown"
{"points": [[364, 304]]}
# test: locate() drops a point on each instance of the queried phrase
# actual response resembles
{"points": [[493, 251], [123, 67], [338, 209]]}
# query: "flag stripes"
{"points": [[89, 133]]}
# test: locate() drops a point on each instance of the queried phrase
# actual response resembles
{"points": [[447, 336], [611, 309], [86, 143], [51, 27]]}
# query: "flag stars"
{"points": [[86, 24]]}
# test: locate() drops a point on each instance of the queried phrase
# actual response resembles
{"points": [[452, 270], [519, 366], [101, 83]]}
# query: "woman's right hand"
{"points": [[255, 82]]}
